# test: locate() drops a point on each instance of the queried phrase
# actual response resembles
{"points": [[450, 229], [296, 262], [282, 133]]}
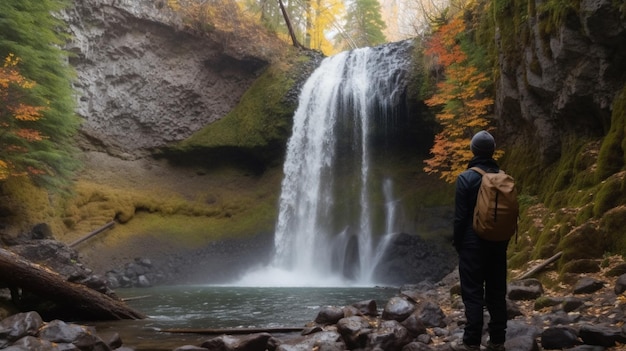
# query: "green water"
{"points": [[215, 307]]}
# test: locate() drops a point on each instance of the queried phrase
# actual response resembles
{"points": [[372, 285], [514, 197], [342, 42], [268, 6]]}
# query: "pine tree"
{"points": [[364, 25], [30, 32]]}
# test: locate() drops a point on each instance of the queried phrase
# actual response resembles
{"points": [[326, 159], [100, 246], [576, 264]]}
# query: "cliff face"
{"points": [[144, 80], [560, 78]]}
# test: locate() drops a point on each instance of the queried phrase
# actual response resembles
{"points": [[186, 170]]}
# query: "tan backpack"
{"points": [[497, 209]]}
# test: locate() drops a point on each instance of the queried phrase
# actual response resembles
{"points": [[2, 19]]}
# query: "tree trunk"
{"points": [[36, 279], [294, 40]]}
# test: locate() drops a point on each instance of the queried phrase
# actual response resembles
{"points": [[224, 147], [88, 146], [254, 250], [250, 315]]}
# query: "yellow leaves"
{"points": [[29, 134], [18, 120], [25, 112], [4, 170], [462, 99], [321, 16], [173, 4]]}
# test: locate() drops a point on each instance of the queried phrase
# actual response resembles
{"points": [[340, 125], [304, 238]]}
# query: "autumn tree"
{"points": [[37, 113], [461, 100], [17, 123], [322, 17]]}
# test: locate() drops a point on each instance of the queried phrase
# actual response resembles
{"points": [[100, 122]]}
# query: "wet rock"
{"points": [[324, 341], [526, 289], [417, 346], [60, 332], [367, 308], [141, 273], [20, 325], [572, 303], [143, 281], [252, 342], [329, 315], [32, 343], [602, 335], [414, 325], [620, 284], [588, 285], [431, 314], [354, 331], [390, 335], [521, 343], [398, 308], [560, 337], [410, 258], [311, 330]]}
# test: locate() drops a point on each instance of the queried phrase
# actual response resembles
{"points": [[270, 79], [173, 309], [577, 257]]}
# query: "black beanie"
{"points": [[483, 144]]}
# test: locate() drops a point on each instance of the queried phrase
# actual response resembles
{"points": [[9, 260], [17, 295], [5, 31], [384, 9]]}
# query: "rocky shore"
{"points": [[581, 311], [587, 314]]}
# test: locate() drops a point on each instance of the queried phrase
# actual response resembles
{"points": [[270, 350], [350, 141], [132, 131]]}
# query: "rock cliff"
{"points": [[145, 80], [559, 78]]}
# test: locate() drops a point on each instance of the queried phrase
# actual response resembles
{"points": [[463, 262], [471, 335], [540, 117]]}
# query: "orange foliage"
{"points": [[17, 120], [461, 98], [227, 20]]}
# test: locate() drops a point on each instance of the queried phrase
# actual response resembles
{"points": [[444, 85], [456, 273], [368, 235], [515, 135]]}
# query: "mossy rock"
{"points": [[519, 259], [613, 223], [610, 194], [547, 301], [584, 242], [581, 266], [612, 157], [616, 271]]}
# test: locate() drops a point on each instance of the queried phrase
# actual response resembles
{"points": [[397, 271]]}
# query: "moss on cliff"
{"points": [[612, 157], [582, 197], [23, 204], [260, 124]]}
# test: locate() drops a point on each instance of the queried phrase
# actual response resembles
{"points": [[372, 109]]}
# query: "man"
{"points": [[482, 264]]}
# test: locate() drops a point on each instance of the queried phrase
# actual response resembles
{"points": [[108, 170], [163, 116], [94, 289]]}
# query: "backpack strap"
{"points": [[478, 170]]}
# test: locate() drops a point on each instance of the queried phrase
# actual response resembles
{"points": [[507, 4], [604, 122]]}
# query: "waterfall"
{"points": [[327, 231]]}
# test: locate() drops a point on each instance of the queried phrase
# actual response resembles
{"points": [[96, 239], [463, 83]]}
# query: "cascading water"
{"points": [[326, 234]]}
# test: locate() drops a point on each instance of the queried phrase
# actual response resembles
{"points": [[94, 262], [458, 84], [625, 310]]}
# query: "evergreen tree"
{"points": [[364, 25], [30, 32]]}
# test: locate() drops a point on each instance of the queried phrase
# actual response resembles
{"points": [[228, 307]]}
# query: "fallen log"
{"points": [[93, 233], [47, 284], [540, 266], [234, 330]]}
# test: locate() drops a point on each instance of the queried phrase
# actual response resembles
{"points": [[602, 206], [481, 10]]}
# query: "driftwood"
{"points": [[133, 298], [541, 266], [93, 233], [235, 330], [47, 284]]}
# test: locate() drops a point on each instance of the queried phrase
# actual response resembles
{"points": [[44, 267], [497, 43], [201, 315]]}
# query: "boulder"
{"points": [[602, 335], [252, 342], [398, 308], [329, 315], [390, 335], [588, 285], [560, 337], [525, 289]]}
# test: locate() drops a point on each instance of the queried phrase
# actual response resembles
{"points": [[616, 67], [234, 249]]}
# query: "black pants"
{"points": [[482, 270]]}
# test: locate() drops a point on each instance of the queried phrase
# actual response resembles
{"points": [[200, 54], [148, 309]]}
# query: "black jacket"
{"points": [[467, 185]]}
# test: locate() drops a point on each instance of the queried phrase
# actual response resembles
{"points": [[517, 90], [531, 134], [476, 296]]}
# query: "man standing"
{"points": [[482, 263]]}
